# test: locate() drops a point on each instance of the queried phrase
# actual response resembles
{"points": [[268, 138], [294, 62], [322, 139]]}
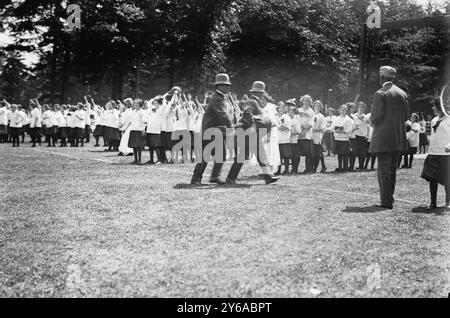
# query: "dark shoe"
{"points": [[134, 163], [120, 154], [323, 170], [270, 179], [196, 182], [149, 162], [432, 207], [217, 181], [231, 182], [284, 173], [338, 170], [385, 206], [96, 145]]}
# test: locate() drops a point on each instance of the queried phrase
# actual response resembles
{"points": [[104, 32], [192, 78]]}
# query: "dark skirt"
{"points": [[317, 151], [51, 131], [166, 141], [154, 140], [15, 131], [25, 128], [352, 145], [285, 150], [192, 139], [295, 148], [328, 140], [99, 131], [35, 132], [305, 147], [71, 132], [437, 168], [423, 140], [63, 132], [341, 147], [3, 130], [112, 133], [362, 146], [79, 133], [136, 139], [412, 150], [87, 130]]}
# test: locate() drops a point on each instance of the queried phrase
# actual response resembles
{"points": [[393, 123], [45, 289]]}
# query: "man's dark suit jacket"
{"points": [[216, 114], [388, 116]]}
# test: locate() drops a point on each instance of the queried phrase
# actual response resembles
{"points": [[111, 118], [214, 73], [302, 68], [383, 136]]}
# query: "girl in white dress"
{"points": [[125, 118], [270, 141]]}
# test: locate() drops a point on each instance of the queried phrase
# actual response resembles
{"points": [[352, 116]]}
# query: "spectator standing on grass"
{"points": [[328, 134], [436, 168], [361, 134], [413, 141], [35, 123], [16, 119], [305, 138], [317, 131], [284, 139], [295, 133], [389, 113], [343, 127], [136, 124], [80, 125], [423, 139], [4, 110]]}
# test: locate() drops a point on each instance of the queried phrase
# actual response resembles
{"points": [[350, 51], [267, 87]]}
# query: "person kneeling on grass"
{"points": [[436, 168], [137, 124]]}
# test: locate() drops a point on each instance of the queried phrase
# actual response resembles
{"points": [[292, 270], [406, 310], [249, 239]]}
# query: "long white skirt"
{"points": [[123, 147], [272, 150]]}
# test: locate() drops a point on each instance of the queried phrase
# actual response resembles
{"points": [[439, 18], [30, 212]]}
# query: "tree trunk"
{"points": [[65, 76], [53, 73]]}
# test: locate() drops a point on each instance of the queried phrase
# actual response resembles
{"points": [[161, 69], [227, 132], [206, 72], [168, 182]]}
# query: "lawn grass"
{"points": [[88, 224]]}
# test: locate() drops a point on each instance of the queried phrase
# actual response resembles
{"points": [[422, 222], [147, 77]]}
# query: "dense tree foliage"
{"points": [[140, 48]]}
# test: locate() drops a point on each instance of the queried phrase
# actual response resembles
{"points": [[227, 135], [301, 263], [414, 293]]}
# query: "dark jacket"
{"points": [[251, 109], [216, 114], [389, 113]]}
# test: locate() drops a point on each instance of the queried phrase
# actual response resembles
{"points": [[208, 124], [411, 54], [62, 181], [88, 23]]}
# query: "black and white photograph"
{"points": [[231, 152]]}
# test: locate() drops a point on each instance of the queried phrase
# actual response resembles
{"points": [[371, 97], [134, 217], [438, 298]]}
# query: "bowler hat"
{"points": [[222, 79], [258, 87], [387, 71]]}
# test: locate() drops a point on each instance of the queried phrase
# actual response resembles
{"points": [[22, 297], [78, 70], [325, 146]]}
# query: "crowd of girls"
{"points": [[300, 129]]}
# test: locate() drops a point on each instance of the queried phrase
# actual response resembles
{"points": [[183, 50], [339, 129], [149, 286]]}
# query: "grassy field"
{"points": [[84, 223]]}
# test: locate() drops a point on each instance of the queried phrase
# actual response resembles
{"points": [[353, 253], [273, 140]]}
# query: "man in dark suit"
{"points": [[388, 116], [253, 122], [217, 115]]}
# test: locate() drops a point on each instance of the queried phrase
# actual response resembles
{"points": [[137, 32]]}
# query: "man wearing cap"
{"points": [[253, 117], [216, 116], [388, 116]]}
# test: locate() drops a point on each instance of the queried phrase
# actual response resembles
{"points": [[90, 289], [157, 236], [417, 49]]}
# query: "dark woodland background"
{"points": [[141, 48]]}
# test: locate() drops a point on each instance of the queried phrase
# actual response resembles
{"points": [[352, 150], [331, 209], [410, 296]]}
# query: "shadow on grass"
{"points": [[189, 186], [366, 209], [424, 210]]}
